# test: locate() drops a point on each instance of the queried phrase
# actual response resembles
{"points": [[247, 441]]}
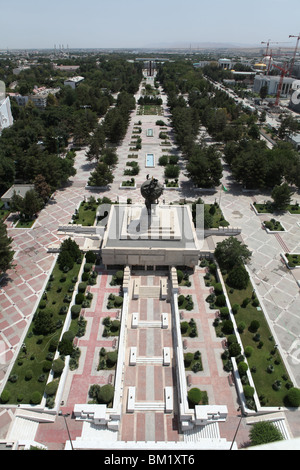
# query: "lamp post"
{"points": [[65, 416], [237, 429]]}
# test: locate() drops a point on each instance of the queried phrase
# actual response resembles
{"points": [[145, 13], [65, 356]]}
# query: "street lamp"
{"points": [[237, 429], [65, 416]]}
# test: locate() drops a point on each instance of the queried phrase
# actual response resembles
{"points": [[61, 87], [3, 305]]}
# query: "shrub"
{"points": [[254, 326], [248, 351], [90, 257], [238, 278], [231, 339], [118, 301], [87, 267], [194, 396], [248, 391], [115, 326], [29, 375], [58, 366], [218, 288], [75, 311], [293, 397], [51, 388], [111, 358], [181, 300], [79, 298], [242, 368], [224, 313], [235, 309], [234, 350], [179, 276], [241, 327], [119, 277], [227, 327], [221, 300], [82, 287], [5, 396], [105, 394], [36, 398], [184, 326], [44, 323], [188, 358], [264, 432]]}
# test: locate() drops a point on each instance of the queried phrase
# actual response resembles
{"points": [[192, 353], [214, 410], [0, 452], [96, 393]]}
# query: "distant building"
{"points": [[66, 68], [40, 96], [20, 69], [6, 118], [20, 99], [19, 189], [294, 139], [272, 84], [73, 82], [225, 64]]}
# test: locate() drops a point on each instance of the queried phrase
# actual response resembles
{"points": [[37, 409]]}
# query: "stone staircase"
{"points": [[149, 360], [210, 431], [149, 406], [149, 292], [149, 324]]}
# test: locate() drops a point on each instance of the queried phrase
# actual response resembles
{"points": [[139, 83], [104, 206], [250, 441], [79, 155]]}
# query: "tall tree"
{"points": [[6, 252], [231, 252]]}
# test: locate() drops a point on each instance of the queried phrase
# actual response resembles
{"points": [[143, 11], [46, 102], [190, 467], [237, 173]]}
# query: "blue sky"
{"points": [[139, 23]]}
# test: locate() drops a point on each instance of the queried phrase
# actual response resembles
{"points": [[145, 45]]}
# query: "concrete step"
{"points": [[210, 431], [22, 429], [149, 292], [149, 324], [149, 406], [149, 360]]}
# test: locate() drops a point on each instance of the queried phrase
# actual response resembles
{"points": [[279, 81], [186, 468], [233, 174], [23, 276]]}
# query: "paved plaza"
{"points": [[22, 287]]}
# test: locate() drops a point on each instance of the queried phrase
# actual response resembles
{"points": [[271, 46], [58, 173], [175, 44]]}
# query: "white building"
{"points": [[272, 84], [6, 119], [73, 82], [225, 64]]}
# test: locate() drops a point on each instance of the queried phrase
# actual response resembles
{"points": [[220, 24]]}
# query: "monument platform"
{"points": [[166, 237]]}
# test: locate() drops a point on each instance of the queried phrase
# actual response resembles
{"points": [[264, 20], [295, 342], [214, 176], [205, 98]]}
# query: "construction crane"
{"points": [[295, 52], [269, 53], [284, 72]]}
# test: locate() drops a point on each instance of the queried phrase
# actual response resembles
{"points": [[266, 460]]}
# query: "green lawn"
{"points": [[86, 214], [34, 356], [25, 223], [263, 356], [293, 259]]}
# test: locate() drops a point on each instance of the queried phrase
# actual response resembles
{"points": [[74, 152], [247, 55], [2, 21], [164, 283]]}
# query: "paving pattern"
{"points": [[21, 289]]}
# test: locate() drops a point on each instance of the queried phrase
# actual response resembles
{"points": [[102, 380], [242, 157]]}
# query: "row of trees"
{"points": [[33, 145], [254, 165]]}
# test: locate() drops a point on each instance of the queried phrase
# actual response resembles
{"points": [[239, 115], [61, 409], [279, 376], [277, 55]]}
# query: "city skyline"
{"points": [[119, 24]]}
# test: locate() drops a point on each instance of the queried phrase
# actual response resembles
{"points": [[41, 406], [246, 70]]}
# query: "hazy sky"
{"points": [[139, 23]]}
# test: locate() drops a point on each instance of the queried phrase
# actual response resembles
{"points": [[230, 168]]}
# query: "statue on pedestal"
{"points": [[151, 190]]}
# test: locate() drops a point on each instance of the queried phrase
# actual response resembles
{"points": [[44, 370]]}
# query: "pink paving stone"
{"points": [[157, 342], [142, 342], [128, 427], [3, 325], [130, 376], [15, 340], [159, 427], [140, 427], [172, 428], [158, 383], [141, 383]]}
